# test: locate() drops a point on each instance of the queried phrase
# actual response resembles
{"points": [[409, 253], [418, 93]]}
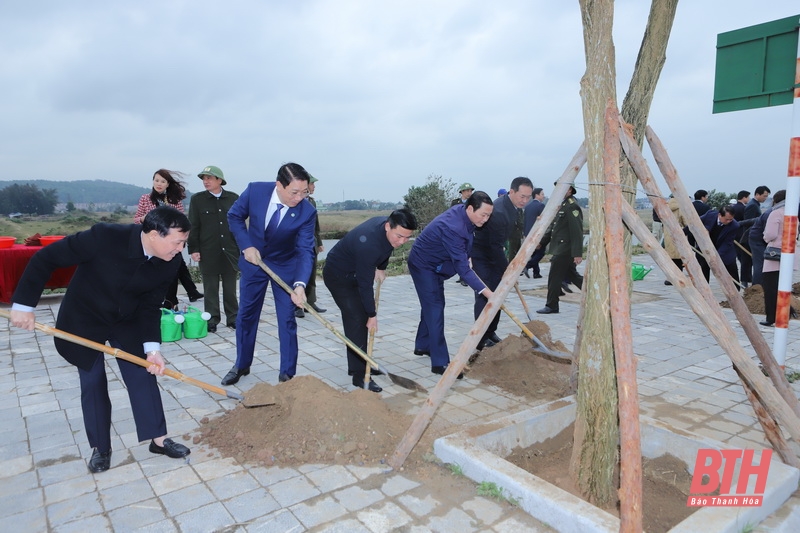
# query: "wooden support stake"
{"points": [[630, 491]]}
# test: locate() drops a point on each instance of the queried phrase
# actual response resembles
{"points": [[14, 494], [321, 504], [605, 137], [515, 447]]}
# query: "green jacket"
{"points": [[565, 234], [210, 234], [316, 226]]}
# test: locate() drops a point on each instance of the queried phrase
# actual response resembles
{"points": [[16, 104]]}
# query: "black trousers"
{"points": [[769, 282], [144, 394], [562, 268], [185, 277], [730, 267], [491, 274], [354, 318], [533, 262]]}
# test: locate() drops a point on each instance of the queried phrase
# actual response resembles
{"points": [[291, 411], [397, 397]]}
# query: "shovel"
{"points": [[116, 352], [558, 356], [524, 303], [397, 380], [371, 341]]}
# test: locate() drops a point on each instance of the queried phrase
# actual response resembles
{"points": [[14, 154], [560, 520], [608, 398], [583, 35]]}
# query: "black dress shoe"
{"points": [[537, 276], [100, 461], [316, 308], [667, 282], [464, 283], [212, 328], [232, 326], [440, 370], [232, 377], [196, 296], [374, 387], [547, 311], [283, 378], [767, 324], [170, 449], [565, 288], [486, 343], [421, 352], [495, 339], [299, 313], [527, 274]]}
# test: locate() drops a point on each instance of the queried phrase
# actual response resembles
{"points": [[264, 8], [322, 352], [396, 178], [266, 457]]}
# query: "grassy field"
{"points": [[333, 224]]}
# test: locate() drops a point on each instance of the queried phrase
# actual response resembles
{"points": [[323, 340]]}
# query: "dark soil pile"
{"points": [[665, 483], [516, 366], [754, 298], [310, 422]]}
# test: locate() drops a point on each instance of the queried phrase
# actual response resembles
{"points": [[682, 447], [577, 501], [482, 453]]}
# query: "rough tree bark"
{"points": [[595, 452]]}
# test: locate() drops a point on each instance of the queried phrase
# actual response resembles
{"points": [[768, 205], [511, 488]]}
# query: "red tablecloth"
{"points": [[12, 264]]}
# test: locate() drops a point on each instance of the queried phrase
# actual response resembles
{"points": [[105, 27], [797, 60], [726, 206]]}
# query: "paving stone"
{"points": [[137, 517], [454, 520], [251, 505], [129, 494], [484, 510], [355, 498], [232, 484], [281, 521], [331, 478], [318, 511], [173, 480], [419, 506], [385, 518], [344, 526], [209, 518], [77, 508], [183, 500], [94, 524], [67, 489], [397, 485], [293, 491]]}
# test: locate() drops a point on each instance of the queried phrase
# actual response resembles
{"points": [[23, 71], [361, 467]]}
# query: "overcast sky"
{"points": [[371, 97]]}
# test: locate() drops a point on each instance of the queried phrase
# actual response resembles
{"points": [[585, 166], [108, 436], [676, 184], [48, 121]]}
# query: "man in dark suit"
{"points": [[722, 228], [532, 213], [489, 259], [122, 275], [211, 244], [273, 222], [352, 266], [440, 251], [700, 199]]}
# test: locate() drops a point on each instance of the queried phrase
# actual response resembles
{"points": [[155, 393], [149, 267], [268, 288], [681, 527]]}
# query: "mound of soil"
{"points": [[754, 298], [310, 422], [515, 366]]}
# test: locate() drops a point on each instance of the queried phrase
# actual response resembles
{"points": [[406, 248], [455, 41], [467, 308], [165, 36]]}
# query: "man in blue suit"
{"points": [[281, 233], [441, 250], [722, 229]]}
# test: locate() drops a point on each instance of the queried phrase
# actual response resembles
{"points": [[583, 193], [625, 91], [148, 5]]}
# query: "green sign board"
{"points": [[756, 66]]}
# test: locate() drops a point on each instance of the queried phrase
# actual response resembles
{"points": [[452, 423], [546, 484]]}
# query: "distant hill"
{"points": [[89, 191]]}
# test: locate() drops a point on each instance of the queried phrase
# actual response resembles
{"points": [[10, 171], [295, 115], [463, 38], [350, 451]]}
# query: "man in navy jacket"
{"points": [[352, 267], [440, 251]]}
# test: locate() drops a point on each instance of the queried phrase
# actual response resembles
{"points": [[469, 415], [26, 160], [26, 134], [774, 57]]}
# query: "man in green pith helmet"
{"points": [[311, 287]]}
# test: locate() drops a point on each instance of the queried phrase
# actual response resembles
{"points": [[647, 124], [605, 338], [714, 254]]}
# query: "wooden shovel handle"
{"points": [[371, 341], [116, 352], [319, 317]]}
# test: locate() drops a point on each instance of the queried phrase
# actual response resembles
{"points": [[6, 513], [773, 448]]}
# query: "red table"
{"points": [[12, 264]]}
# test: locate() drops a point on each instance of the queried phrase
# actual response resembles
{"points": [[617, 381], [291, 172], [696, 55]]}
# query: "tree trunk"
{"points": [[594, 452]]}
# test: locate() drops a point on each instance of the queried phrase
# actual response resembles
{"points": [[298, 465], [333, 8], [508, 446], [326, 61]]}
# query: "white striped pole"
{"points": [[789, 228]]}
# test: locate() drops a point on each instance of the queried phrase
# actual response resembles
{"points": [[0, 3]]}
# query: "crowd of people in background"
{"points": [[270, 236]]}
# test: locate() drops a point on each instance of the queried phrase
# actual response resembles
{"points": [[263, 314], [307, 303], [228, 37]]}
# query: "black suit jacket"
{"points": [[116, 292]]}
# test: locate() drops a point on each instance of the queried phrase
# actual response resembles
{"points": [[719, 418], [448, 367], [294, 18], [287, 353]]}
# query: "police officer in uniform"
{"points": [[565, 237]]}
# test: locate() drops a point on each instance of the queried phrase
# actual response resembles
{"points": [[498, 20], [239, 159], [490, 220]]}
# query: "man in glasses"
{"points": [[273, 223]]}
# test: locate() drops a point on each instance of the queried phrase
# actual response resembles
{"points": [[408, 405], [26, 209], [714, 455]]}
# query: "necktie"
{"points": [[273, 222]]}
